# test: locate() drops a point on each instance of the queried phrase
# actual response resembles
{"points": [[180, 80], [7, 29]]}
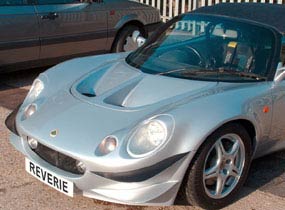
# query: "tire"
{"points": [[122, 37], [199, 189]]}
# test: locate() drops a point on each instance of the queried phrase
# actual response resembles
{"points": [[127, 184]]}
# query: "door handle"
{"points": [[50, 16]]}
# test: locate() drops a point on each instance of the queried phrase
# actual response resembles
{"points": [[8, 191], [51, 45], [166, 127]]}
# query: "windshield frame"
{"points": [[275, 57]]}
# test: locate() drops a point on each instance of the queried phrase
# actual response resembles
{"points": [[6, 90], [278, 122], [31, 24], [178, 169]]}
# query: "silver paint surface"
{"points": [[124, 98]]}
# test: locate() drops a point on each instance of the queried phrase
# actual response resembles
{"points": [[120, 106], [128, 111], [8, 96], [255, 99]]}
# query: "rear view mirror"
{"points": [[137, 38], [225, 33]]}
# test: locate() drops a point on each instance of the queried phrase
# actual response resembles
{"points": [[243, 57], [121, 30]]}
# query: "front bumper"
{"points": [[159, 189]]}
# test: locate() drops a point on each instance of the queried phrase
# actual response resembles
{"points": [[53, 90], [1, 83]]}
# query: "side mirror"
{"points": [[137, 38], [280, 73]]}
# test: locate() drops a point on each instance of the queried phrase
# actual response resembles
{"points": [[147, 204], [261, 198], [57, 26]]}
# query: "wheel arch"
{"points": [[251, 130], [247, 124], [134, 23], [121, 27]]}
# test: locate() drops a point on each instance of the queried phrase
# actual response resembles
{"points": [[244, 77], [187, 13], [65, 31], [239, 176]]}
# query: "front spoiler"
{"points": [[154, 191]]}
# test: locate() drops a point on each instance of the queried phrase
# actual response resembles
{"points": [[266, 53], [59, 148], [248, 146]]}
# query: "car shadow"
{"points": [[267, 174], [11, 97], [15, 86]]}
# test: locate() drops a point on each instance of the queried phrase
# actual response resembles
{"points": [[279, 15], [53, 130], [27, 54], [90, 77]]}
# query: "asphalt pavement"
{"points": [[265, 188]]}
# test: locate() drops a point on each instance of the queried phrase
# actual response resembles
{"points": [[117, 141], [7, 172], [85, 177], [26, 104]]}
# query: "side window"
{"points": [[43, 2], [12, 2]]}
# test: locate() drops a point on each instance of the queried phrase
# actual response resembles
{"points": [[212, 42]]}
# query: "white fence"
{"points": [[171, 8]]}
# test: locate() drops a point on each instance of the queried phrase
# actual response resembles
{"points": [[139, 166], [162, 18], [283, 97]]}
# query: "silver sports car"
{"points": [[185, 113], [44, 32]]}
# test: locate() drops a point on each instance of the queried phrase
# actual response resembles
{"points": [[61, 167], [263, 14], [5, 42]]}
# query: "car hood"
{"points": [[110, 100], [118, 84]]}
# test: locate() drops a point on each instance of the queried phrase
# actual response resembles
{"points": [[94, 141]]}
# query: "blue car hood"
{"points": [[110, 100], [120, 85]]}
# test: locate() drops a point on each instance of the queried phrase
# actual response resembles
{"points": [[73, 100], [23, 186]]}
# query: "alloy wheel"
{"points": [[224, 166], [129, 44]]}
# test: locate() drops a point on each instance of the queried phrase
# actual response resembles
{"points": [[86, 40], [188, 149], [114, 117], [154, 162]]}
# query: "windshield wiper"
{"points": [[241, 74], [192, 72], [187, 71]]}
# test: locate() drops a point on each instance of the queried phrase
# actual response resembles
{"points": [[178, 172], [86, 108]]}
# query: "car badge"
{"points": [[53, 133]]}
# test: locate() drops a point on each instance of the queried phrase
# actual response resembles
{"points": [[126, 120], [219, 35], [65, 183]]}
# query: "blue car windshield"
{"points": [[205, 47]]}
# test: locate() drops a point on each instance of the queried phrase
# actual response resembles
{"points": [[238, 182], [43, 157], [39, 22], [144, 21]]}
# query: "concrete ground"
{"points": [[265, 188]]}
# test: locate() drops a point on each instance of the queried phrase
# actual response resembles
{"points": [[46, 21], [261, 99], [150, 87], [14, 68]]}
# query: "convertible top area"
{"points": [[269, 14]]}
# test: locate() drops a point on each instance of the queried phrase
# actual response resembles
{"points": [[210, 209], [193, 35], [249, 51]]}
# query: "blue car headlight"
{"points": [[30, 110], [108, 145], [36, 89], [32, 100], [150, 135]]}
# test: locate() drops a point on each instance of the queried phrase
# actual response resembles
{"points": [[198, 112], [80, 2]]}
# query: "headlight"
{"points": [[33, 143], [149, 136], [80, 166], [36, 88], [30, 110], [109, 144]]}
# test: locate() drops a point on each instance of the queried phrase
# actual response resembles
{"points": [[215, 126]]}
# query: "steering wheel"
{"points": [[202, 61]]}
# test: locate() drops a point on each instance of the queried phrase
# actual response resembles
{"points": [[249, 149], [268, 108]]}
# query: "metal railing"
{"points": [[171, 8]]}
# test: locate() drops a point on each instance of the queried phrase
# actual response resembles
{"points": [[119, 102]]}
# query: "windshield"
{"points": [[207, 48]]}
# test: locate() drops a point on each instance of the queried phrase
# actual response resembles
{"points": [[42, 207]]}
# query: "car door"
{"points": [[71, 27], [278, 94], [19, 37]]}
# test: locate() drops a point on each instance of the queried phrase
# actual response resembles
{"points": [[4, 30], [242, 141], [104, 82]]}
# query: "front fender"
{"points": [[196, 120]]}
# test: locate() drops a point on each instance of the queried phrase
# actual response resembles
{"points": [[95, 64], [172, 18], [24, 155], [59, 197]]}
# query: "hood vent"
{"points": [[90, 95], [120, 85], [119, 97], [105, 79]]}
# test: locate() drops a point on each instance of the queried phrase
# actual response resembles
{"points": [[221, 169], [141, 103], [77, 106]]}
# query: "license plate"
{"points": [[49, 178]]}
